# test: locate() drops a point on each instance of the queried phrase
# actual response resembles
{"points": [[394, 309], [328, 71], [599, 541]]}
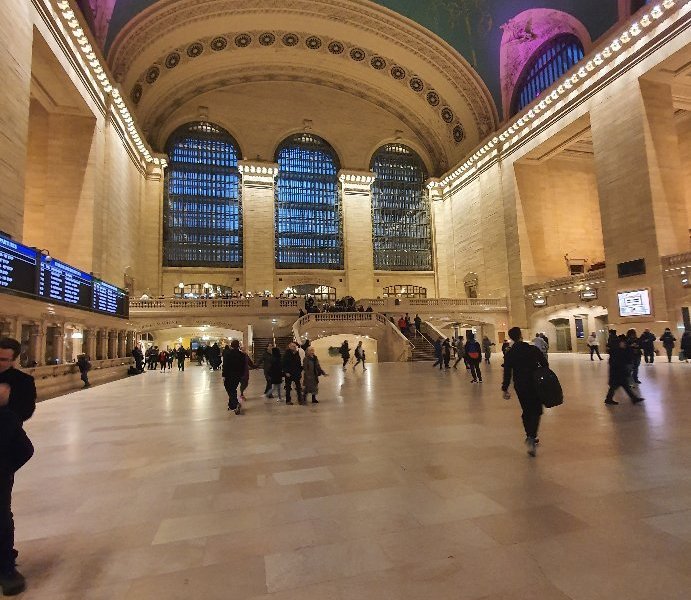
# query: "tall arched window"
{"points": [[308, 209], [400, 211], [202, 217], [550, 62]]}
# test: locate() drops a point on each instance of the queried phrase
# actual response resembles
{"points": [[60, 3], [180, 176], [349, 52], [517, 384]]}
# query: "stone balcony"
{"points": [[567, 285], [432, 305]]}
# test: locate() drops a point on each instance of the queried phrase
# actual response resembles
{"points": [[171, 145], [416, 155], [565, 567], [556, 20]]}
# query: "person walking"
{"points": [[611, 340], [460, 352], [267, 359], [594, 345], [181, 355], [619, 361], [521, 362], [245, 379], [473, 353], [18, 400], [646, 341], [668, 342], [635, 353], [84, 366], [446, 352], [170, 353], [312, 371], [163, 360], [359, 356], [540, 344], [487, 348], [276, 374], [418, 324], [232, 371], [685, 346], [344, 351], [292, 370], [438, 354]]}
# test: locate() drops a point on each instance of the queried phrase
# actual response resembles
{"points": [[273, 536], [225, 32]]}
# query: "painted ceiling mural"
{"points": [[473, 27]]}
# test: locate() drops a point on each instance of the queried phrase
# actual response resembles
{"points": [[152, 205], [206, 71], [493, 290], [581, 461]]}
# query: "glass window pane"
{"points": [[202, 216], [309, 232], [401, 232]]}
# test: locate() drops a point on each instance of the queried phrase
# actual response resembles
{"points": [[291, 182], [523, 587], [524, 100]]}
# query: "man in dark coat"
{"points": [[620, 360], [646, 341], [233, 369], [292, 370], [521, 361], [17, 404]]}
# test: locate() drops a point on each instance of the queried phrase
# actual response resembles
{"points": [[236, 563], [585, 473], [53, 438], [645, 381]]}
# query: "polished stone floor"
{"points": [[403, 483]]}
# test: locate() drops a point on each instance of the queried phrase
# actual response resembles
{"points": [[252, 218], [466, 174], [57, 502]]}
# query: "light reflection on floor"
{"points": [[404, 482]]}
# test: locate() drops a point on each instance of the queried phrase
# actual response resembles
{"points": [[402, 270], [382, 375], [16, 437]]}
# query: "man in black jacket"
{"points": [[646, 342], [620, 360], [292, 370], [522, 360], [17, 404], [233, 368]]}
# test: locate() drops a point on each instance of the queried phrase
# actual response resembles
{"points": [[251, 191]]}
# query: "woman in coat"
{"points": [[344, 351], [311, 372]]}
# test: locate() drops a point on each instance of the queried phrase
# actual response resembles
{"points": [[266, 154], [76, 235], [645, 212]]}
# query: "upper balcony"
{"points": [[568, 286]]}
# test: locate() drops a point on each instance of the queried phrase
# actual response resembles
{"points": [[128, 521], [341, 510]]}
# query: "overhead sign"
{"points": [[17, 267], [59, 282], [634, 304]]}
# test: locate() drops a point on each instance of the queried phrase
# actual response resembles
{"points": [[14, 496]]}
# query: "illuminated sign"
{"points": [[59, 282], [589, 295], [17, 267], [540, 302], [634, 304]]}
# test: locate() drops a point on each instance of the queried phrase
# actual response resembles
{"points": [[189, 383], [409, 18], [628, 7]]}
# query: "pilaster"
{"points": [[37, 343], [358, 251], [258, 224]]}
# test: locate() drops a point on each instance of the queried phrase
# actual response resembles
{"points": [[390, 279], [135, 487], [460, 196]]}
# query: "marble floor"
{"points": [[403, 483]]}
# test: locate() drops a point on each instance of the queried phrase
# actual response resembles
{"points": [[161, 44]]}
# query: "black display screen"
{"points": [[17, 267], [59, 282], [110, 299]]}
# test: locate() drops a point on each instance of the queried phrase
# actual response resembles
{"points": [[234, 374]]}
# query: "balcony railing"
{"points": [[676, 261], [567, 284], [285, 305], [397, 305]]}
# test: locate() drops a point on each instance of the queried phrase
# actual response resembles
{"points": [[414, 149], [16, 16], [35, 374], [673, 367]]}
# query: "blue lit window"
{"points": [[400, 211], [202, 216], [308, 209], [548, 64]]}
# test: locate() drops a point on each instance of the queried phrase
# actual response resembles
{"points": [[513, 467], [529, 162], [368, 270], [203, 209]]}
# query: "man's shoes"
{"points": [[473, 381], [12, 582], [480, 380], [289, 402], [531, 446], [238, 410], [315, 401], [611, 402], [270, 396], [637, 400], [636, 381]]}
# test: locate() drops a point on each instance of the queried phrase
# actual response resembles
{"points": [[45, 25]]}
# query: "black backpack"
{"points": [[548, 387]]}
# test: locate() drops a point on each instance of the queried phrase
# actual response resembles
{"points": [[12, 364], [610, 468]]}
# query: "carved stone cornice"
{"points": [[183, 91], [356, 183], [158, 21], [256, 174]]}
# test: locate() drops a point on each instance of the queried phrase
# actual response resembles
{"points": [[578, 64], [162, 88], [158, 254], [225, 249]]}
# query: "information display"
{"points": [[634, 304], [59, 282], [110, 299], [17, 267]]}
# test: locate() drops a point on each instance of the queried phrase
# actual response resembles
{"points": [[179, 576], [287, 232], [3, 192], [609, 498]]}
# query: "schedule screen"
{"points": [[110, 299], [17, 267], [59, 282]]}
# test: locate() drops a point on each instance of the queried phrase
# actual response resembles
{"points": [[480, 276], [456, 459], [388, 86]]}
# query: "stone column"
{"points": [[258, 224], [122, 339], [148, 271], [129, 343], [89, 343], [641, 206], [37, 343], [102, 344], [59, 343], [358, 251], [442, 243], [112, 344]]}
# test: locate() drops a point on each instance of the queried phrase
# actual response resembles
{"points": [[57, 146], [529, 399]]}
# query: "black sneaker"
{"points": [[315, 401], [611, 402], [12, 583], [531, 446], [637, 400], [289, 402]]}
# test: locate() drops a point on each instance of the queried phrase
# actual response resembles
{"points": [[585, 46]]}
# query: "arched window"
{"points": [[309, 234], [550, 62], [202, 216], [400, 211]]}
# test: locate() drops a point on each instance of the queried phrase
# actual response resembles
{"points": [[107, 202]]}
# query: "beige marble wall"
{"points": [[561, 214], [15, 75], [357, 237]]}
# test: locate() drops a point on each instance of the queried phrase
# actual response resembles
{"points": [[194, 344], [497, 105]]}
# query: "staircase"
{"points": [[261, 343], [423, 350]]}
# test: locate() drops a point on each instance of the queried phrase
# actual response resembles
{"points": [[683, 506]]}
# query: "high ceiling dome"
{"points": [[472, 27]]}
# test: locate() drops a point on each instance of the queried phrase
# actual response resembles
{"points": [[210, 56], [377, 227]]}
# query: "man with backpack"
{"points": [[521, 362]]}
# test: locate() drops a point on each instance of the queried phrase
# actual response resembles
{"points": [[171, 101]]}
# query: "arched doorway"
{"points": [[563, 334]]}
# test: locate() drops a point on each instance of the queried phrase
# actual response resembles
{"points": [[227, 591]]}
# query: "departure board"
{"points": [[17, 267], [59, 282], [110, 299]]}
